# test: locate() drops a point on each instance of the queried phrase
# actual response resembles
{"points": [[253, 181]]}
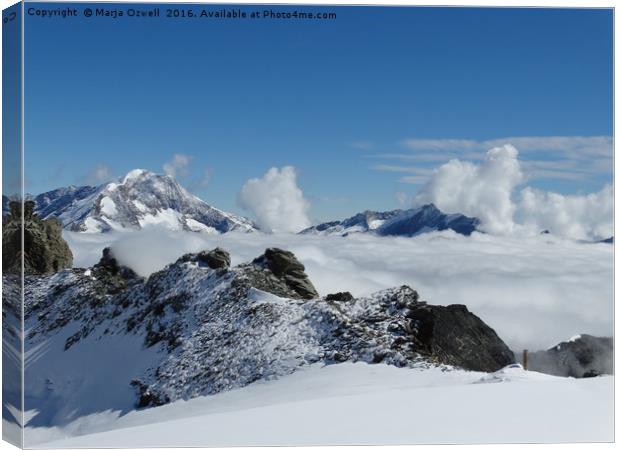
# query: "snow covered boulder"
{"points": [[453, 335]]}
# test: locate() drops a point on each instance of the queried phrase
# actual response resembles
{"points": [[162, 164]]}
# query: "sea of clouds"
{"points": [[534, 291]]}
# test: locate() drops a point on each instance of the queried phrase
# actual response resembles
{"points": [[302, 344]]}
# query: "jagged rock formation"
{"points": [[580, 357], [286, 268], [407, 223], [45, 251], [191, 329]]}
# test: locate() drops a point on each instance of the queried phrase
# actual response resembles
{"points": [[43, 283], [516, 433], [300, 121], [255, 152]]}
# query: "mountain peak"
{"points": [[136, 173], [140, 199]]}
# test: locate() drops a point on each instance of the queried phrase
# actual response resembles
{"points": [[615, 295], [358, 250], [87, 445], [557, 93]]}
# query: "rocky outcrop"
{"points": [[284, 266], [339, 297], [115, 277], [45, 250], [581, 357], [217, 258], [453, 335]]}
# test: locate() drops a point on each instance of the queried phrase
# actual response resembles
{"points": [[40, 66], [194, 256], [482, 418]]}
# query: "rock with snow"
{"points": [[581, 356], [287, 268], [407, 223], [139, 200], [114, 276], [217, 258]]}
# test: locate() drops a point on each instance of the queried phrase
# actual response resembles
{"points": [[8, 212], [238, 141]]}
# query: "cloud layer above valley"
{"points": [[492, 190], [535, 291]]}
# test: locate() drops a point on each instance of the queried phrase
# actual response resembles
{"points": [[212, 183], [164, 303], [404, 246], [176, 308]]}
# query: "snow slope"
{"points": [[358, 403]]}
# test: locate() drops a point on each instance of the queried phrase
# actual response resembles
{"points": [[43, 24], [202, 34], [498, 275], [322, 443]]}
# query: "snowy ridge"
{"points": [[191, 330], [411, 222], [139, 200]]}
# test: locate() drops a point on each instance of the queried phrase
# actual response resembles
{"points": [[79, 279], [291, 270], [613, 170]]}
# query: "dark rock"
{"points": [[453, 335], [285, 266], [115, 277], [217, 258], [591, 374], [45, 251], [146, 397], [339, 297], [583, 357]]}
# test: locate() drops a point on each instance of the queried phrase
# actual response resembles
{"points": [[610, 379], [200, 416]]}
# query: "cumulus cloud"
{"points": [[483, 191], [577, 216], [98, 174], [534, 291], [276, 201], [178, 166], [492, 192]]}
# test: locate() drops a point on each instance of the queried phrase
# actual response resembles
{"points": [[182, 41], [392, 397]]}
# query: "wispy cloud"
{"points": [[362, 145], [97, 175], [577, 158], [418, 175], [178, 166]]}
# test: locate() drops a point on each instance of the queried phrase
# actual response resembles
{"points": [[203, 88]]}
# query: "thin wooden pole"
{"points": [[525, 359]]}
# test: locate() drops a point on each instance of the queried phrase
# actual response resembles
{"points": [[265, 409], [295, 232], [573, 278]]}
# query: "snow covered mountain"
{"points": [[138, 200], [408, 223], [200, 327]]}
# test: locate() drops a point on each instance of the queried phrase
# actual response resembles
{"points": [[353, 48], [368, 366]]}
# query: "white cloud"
{"points": [[489, 192], [98, 175], [534, 291], [576, 216], [483, 191], [276, 201], [178, 166]]}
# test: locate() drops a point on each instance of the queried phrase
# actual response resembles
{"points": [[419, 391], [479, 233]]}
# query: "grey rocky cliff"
{"points": [[580, 357]]}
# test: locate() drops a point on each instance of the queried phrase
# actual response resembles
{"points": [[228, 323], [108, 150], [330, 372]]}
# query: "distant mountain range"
{"points": [[410, 222], [142, 199]]}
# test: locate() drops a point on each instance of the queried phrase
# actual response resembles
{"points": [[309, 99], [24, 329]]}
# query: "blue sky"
{"points": [[363, 106]]}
